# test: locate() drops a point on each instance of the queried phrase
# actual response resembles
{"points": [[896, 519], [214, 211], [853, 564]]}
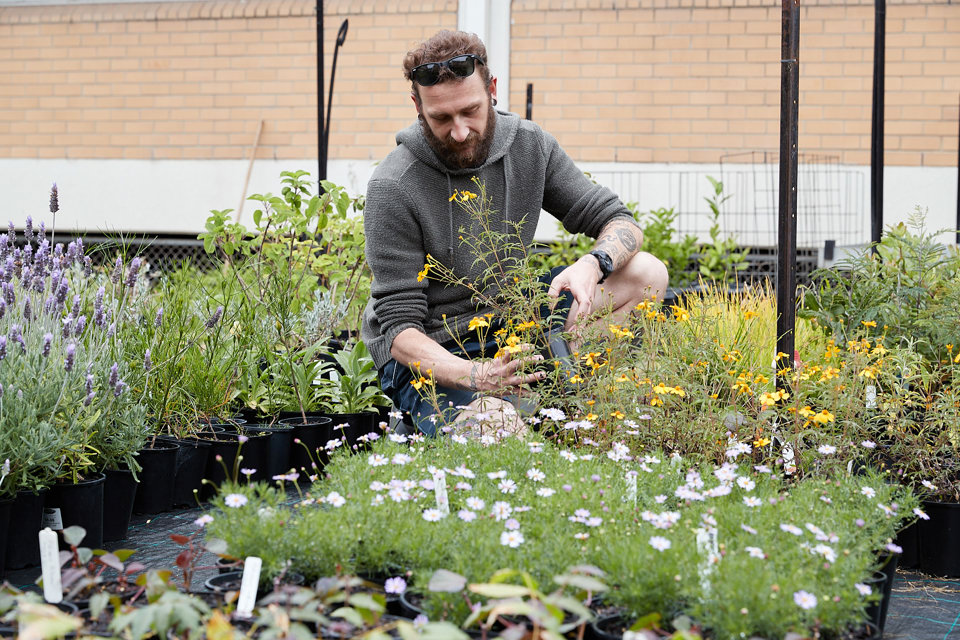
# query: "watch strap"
{"points": [[606, 264]]}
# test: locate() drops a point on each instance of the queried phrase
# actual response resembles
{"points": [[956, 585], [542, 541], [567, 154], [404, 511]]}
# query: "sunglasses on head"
{"points": [[461, 66]]}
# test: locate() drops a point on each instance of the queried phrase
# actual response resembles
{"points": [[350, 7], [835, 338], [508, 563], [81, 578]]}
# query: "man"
{"points": [[409, 214]]}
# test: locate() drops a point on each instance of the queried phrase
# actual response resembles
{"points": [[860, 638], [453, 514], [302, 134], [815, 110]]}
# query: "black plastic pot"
{"points": [[230, 581], [939, 551], [410, 609], [909, 541], [10, 630], [155, 491], [5, 507], [354, 425], [190, 469], [278, 448], [313, 436], [889, 570], [26, 516], [224, 449], [875, 611], [119, 492], [80, 504]]}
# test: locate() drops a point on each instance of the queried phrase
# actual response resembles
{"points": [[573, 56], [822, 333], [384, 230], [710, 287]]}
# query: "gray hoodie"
{"points": [[408, 214]]}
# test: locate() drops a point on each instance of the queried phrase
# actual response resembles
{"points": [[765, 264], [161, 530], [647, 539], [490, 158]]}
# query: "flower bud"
{"points": [[47, 341], [54, 200], [132, 273], [117, 271], [147, 362], [80, 326], [28, 230], [114, 376], [215, 318], [87, 267], [158, 320], [70, 357], [3, 347], [27, 309]]}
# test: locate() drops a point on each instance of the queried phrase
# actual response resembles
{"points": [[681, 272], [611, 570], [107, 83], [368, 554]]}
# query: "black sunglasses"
{"points": [[462, 66]]}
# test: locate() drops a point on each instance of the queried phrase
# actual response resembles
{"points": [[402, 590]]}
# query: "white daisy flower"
{"points": [[377, 459], [870, 492], [789, 528], [660, 543], [501, 510], [805, 600], [752, 501], [536, 475], [475, 503], [512, 539], [432, 515], [755, 552], [497, 475], [863, 589], [466, 515], [335, 499], [746, 483], [235, 500], [826, 449], [545, 492], [401, 459]]}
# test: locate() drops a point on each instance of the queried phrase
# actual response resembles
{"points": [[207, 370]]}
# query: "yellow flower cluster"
{"points": [[462, 196]]}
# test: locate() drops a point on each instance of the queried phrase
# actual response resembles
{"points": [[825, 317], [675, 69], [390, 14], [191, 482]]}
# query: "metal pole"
{"points": [[876, 133], [787, 248], [341, 37], [321, 164], [529, 101], [958, 180]]}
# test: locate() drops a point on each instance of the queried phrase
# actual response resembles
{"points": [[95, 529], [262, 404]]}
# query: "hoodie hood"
{"points": [[505, 131]]}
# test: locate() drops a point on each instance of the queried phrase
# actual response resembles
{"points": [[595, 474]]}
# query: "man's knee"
{"points": [[648, 275]]}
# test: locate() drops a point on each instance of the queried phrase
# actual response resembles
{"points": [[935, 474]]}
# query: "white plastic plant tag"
{"points": [[871, 397], [248, 586], [632, 487], [50, 566], [52, 519], [440, 490], [704, 550]]}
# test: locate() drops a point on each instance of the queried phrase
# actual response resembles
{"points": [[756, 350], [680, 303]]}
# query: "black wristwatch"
{"points": [[606, 264]]}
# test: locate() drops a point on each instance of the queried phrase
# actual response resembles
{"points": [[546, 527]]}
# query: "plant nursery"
{"points": [[670, 475]]}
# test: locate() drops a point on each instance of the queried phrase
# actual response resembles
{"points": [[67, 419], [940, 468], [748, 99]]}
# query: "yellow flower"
{"points": [[617, 414], [576, 379], [660, 388], [829, 373], [781, 355], [656, 402], [453, 197], [868, 323], [523, 326], [680, 314], [747, 315], [420, 382], [868, 372], [823, 417], [767, 399], [426, 271], [619, 331], [761, 442], [643, 306], [476, 323], [592, 416]]}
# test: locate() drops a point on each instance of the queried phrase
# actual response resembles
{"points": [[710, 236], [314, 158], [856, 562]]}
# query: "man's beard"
{"points": [[458, 155]]}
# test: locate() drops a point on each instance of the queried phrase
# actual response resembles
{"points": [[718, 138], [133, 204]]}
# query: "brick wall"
{"points": [[646, 81], [650, 82], [193, 79]]}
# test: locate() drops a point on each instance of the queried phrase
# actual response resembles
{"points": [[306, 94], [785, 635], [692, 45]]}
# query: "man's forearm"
{"points": [[411, 346], [621, 239]]}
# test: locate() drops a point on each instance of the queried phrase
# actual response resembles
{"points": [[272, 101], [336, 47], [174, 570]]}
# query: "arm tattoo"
{"points": [[619, 240]]}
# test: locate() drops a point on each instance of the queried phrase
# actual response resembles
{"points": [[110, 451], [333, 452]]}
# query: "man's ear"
{"points": [[416, 102], [493, 87]]}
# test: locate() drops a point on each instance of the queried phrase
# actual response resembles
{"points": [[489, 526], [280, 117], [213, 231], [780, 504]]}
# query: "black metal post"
{"points": [[787, 248], [341, 37], [529, 101], [876, 132], [321, 161]]}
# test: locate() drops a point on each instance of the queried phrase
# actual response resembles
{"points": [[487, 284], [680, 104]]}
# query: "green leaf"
{"points": [[586, 583], [98, 602], [124, 554], [649, 621], [349, 614], [446, 581], [73, 535], [500, 590], [373, 602]]}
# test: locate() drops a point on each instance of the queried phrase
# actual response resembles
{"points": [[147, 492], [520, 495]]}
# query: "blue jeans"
{"points": [[395, 378]]}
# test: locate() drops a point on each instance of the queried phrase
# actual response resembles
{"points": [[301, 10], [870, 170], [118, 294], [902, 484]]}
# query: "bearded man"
{"points": [[409, 215]]}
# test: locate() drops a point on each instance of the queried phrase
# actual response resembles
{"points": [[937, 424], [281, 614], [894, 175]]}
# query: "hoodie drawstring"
{"points": [[450, 218]]}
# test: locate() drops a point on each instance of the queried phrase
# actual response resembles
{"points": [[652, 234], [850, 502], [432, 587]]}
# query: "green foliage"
{"points": [[574, 507], [720, 260], [355, 388]]}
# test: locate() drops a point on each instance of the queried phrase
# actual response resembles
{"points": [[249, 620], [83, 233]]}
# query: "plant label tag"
{"points": [[50, 566], [632, 487], [871, 397], [440, 490], [248, 586], [52, 519]]}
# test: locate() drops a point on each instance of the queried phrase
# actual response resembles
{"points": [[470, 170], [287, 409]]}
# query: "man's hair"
{"points": [[443, 46]]}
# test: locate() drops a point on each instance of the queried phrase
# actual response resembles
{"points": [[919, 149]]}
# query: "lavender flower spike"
{"points": [[11, 234], [16, 334], [70, 357], [147, 362], [87, 266], [28, 229], [67, 325], [132, 273], [54, 199], [215, 318], [89, 399], [47, 340], [27, 309], [3, 307], [81, 325], [117, 271], [89, 384], [158, 321], [119, 389], [114, 376], [3, 347]]}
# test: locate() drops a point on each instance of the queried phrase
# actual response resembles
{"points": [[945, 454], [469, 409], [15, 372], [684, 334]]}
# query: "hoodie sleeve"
{"points": [[394, 251], [572, 198]]}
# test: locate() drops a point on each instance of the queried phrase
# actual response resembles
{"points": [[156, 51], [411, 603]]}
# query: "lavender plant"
{"points": [[65, 410]]}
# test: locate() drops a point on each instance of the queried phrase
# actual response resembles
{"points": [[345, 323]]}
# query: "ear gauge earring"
{"points": [[494, 101]]}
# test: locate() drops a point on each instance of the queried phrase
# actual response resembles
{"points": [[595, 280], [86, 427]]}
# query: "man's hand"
{"points": [[580, 279], [501, 374]]}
